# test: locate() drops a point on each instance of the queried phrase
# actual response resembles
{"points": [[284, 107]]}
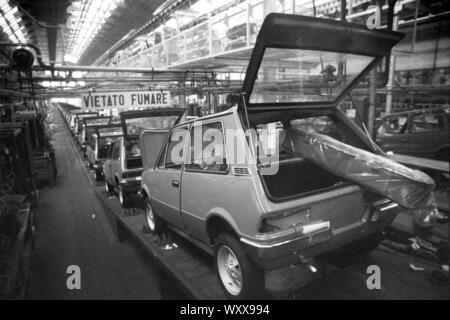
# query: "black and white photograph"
{"points": [[229, 157]]}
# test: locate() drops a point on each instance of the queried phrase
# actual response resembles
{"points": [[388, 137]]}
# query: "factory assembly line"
{"points": [[274, 158]]}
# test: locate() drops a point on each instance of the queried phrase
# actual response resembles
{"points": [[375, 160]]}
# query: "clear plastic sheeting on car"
{"points": [[412, 189]]}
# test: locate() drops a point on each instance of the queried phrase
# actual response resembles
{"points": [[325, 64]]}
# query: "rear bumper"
{"points": [[280, 253], [131, 185], [98, 167]]}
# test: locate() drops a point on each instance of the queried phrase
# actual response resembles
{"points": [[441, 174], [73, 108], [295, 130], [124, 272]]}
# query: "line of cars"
{"points": [[187, 179]]}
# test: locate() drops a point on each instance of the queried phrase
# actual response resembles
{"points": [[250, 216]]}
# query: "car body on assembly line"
{"points": [[420, 133], [88, 129], [78, 123], [98, 145], [123, 165], [252, 220]]}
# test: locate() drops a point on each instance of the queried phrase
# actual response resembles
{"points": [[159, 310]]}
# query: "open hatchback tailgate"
{"points": [[304, 61], [134, 122]]}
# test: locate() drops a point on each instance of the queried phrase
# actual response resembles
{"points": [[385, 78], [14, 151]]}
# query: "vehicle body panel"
{"points": [[103, 135], [125, 171], [420, 133]]}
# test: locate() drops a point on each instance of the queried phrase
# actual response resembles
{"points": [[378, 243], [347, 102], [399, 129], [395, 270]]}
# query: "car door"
{"points": [[110, 164], [394, 133], [107, 164], [91, 149], [167, 178], [116, 163], [429, 133], [205, 176]]}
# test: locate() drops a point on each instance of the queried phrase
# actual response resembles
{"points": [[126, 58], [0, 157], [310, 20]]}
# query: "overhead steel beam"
{"points": [[116, 70]]}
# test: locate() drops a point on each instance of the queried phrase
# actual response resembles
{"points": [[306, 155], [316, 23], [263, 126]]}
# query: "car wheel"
{"points": [[108, 187], [443, 155], [124, 198], [154, 223], [98, 175], [442, 179], [239, 276]]}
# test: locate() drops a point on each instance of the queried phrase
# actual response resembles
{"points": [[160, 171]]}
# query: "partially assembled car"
{"points": [[123, 166], [98, 145], [78, 122], [420, 133], [217, 186], [89, 128]]}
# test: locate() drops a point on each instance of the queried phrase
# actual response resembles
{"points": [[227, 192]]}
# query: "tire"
{"points": [[247, 280], [154, 223], [124, 199], [363, 246], [108, 187], [442, 179], [443, 155], [98, 176]]}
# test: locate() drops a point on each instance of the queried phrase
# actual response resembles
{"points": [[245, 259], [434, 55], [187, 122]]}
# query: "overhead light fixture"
{"points": [[86, 19], [11, 22]]}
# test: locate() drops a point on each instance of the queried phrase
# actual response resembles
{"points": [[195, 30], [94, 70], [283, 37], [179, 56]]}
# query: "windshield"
{"points": [[137, 125], [294, 75]]}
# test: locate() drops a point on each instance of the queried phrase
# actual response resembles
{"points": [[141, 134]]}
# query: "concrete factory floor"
{"points": [[73, 229]]}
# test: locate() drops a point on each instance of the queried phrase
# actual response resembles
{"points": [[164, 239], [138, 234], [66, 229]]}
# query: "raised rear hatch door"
{"points": [[151, 142], [109, 131], [97, 121], [302, 61], [135, 122]]}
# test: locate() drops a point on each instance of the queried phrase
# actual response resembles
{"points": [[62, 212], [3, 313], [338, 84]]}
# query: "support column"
{"points": [[372, 102], [390, 84]]}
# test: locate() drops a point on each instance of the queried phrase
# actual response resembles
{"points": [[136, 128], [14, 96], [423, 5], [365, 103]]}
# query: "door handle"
{"points": [[176, 183]]}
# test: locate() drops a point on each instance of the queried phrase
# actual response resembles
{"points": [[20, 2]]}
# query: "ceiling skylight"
{"points": [[11, 22], [86, 19]]}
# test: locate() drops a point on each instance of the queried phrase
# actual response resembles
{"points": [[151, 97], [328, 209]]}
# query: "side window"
{"points": [[92, 140], [115, 150], [174, 150], [428, 122], [207, 148], [396, 124]]}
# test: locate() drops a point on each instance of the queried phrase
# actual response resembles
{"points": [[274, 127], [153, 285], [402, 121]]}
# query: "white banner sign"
{"points": [[129, 99]]}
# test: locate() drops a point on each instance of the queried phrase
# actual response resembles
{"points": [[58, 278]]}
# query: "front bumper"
{"points": [[278, 253]]}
